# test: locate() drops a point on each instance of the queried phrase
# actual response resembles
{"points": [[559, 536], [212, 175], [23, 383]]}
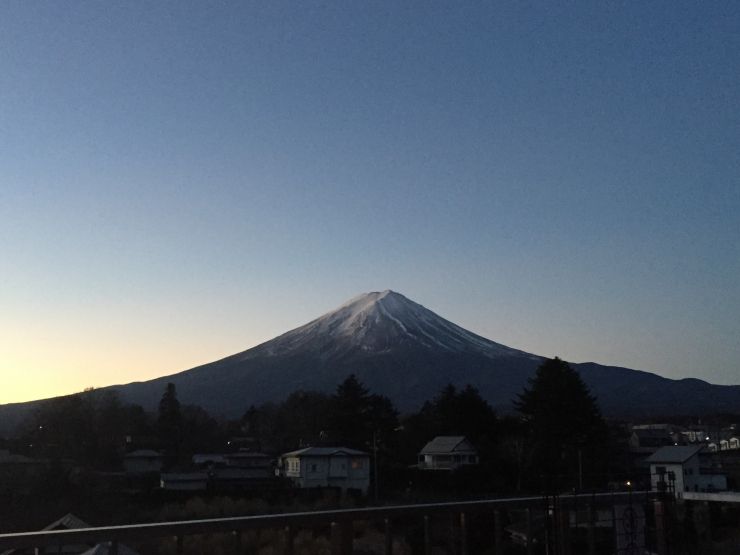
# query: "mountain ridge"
{"points": [[401, 349]]}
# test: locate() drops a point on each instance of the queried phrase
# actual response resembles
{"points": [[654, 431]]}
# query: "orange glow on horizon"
{"points": [[48, 366]]}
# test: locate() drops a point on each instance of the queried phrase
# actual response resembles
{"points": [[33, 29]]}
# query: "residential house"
{"points": [[695, 434], [684, 468], [729, 444], [447, 453], [315, 467], [726, 444], [143, 461], [649, 439], [646, 439], [229, 471], [259, 464]]}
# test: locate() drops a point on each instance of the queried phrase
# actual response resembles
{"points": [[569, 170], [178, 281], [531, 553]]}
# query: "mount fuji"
{"points": [[395, 347], [401, 349]]}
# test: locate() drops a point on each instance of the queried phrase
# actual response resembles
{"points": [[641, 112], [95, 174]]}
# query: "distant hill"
{"points": [[407, 352]]}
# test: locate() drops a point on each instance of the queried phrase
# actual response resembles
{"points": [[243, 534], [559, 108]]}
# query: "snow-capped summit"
{"points": [[379, 322], [398, 348]]}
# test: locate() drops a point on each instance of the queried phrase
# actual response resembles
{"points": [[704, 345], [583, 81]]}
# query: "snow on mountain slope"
{"points": [[400, 349], [379, 322]]}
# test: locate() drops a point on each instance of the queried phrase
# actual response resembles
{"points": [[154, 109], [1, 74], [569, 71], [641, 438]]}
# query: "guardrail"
{"points": [[559, 516]]}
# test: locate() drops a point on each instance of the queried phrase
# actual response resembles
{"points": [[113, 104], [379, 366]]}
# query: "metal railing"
{"points": [[557, 525]]}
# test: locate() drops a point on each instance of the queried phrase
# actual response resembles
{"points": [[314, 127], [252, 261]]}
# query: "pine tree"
{"points": [[565, 426], [169, 422], [356, 415]]}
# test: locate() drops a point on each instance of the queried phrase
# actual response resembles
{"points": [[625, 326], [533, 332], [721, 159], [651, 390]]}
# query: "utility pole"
{"points": [[375, 463]]}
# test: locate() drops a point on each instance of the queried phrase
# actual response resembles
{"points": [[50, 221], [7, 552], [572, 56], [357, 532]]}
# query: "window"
{"points": [[356, 464], [313, 467]]}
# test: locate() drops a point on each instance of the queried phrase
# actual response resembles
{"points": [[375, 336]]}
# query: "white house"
{"points": [[695, 434], [680, 469], [339, 467], [729, 444], [447, 453]]}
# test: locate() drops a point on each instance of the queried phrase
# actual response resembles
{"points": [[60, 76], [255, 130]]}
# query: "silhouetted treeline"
{"points": [[94, 429], [557, 440], [89, 428]]}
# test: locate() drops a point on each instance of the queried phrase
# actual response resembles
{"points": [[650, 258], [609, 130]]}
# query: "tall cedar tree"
{"points": [[300, 420], [356, 414], [169, 422], [565, 425]]}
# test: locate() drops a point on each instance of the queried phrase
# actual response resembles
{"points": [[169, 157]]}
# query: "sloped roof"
{"points": [[67, 522], [653, 427], [651, 432], [674, 454], [446, 444], [324, 452]]}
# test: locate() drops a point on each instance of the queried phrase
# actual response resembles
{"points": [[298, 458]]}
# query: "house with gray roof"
{"points": [[316, 467], [447, 453], [682, 468]]}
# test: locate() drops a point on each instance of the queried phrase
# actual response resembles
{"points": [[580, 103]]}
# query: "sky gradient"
{"points": [[180, 181]]}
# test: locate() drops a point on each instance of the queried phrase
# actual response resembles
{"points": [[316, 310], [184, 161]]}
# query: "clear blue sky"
{"points": [[183, 180]]}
